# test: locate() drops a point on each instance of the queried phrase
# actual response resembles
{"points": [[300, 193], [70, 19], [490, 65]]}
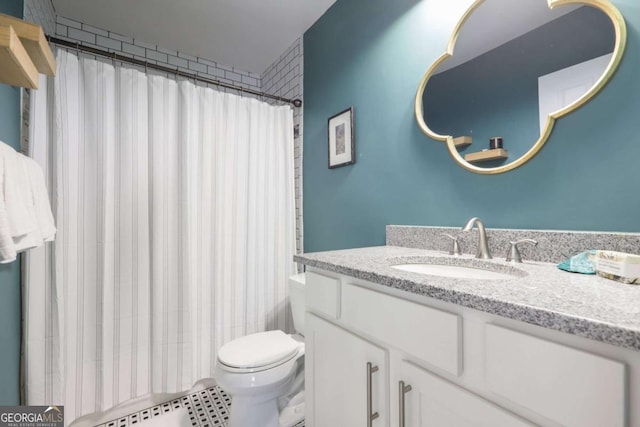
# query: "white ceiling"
{"points": [[246, 34]]}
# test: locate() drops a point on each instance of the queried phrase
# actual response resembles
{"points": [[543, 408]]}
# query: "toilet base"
{"points": [[249, 411], [292, 415]]}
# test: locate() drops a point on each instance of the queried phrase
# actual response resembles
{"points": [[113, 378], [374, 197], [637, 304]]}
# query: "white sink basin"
{"points": [[455, 271]]}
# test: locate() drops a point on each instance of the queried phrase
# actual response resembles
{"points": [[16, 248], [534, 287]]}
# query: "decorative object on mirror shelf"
{"points": [[341, 139], [495, 142], [24, 52], [520, 56]]}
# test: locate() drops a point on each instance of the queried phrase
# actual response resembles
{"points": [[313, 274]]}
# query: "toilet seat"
{"points": [[258, 352]]}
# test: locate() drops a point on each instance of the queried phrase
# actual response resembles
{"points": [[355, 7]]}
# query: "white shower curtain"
{"points": [[175, 212]]}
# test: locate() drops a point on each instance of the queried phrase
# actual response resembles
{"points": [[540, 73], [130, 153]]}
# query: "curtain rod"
{"points": [[112, 55]]}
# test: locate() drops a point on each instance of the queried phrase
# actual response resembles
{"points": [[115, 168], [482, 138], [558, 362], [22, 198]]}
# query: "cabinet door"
{"points": [[434, 402], [569, 386], [337, 377]]}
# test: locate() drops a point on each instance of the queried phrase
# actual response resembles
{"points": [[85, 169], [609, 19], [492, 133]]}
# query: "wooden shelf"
{"points": [[35, 43], [462, 141], [485, 156], [16, 67]]}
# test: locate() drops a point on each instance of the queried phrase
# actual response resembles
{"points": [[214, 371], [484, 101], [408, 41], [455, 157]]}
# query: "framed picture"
{"points": [[341, 139]]}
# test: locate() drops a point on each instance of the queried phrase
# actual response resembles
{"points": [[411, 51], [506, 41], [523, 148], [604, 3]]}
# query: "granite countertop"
{"points": [[583, 305]]}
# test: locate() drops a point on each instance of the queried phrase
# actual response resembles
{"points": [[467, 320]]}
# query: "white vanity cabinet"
{"points": [[432, 401], [442, 365], [350, 377]]}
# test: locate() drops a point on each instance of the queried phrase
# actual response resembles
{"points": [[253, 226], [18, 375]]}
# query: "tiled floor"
{"points": [[207, 408]]}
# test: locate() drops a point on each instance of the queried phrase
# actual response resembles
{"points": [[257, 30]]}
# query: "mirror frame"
{"points": [[620, 29]]}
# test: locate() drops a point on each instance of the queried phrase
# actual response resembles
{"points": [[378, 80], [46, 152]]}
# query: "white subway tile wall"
{"points": [[282, 78], [72, 30], [42, 13]]}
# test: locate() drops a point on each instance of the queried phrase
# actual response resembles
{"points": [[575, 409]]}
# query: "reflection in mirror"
{"points": [[513, 64]]}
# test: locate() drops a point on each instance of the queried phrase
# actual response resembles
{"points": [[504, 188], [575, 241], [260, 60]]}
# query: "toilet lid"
{"points": [[256, 350]]}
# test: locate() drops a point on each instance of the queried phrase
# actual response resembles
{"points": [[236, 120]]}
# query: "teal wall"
{"points": [[10, 273], [371, 54]]}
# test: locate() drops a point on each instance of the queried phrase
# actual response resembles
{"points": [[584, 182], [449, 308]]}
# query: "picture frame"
{"points": [[341, 140]]}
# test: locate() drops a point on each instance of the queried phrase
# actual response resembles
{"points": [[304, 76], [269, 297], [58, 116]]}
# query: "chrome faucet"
{"points": [[483, 247]]}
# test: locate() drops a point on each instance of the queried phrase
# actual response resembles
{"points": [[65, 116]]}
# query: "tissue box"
{"points": [[618, 266]]}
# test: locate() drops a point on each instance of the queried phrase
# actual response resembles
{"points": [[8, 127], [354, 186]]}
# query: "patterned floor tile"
{"points": [[207, 408]]}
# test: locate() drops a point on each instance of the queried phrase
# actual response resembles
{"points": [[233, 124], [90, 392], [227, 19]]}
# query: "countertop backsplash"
{"points": [[553, 246]]}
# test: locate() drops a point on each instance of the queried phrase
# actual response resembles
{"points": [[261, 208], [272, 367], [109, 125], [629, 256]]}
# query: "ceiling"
{"points": [[246, 34]]}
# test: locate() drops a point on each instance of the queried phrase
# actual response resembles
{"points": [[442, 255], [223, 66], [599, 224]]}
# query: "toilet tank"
{"points": [[296, 296]]}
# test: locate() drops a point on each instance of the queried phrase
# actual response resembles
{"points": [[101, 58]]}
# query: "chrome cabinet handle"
{"points": [[402, 390], [370, 416]]}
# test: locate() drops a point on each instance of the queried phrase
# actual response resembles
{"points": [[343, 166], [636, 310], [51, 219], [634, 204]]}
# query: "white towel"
{"points": [[40, 198], [16, 191], [33, 238], [26, 220], [7, 249]]}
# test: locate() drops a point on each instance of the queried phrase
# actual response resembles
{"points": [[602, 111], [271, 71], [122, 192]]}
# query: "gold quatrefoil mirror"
{"points": [[511, 69]]}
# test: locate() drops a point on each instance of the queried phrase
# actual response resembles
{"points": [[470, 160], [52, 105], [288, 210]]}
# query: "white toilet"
{"points": [[264, 372]]}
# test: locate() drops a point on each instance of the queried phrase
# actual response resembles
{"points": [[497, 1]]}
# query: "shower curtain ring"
{"points": [[78, 49]]}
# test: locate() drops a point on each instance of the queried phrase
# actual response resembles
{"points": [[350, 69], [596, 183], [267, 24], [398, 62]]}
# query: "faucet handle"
{"points": [[455, 250], [513, 255]]}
